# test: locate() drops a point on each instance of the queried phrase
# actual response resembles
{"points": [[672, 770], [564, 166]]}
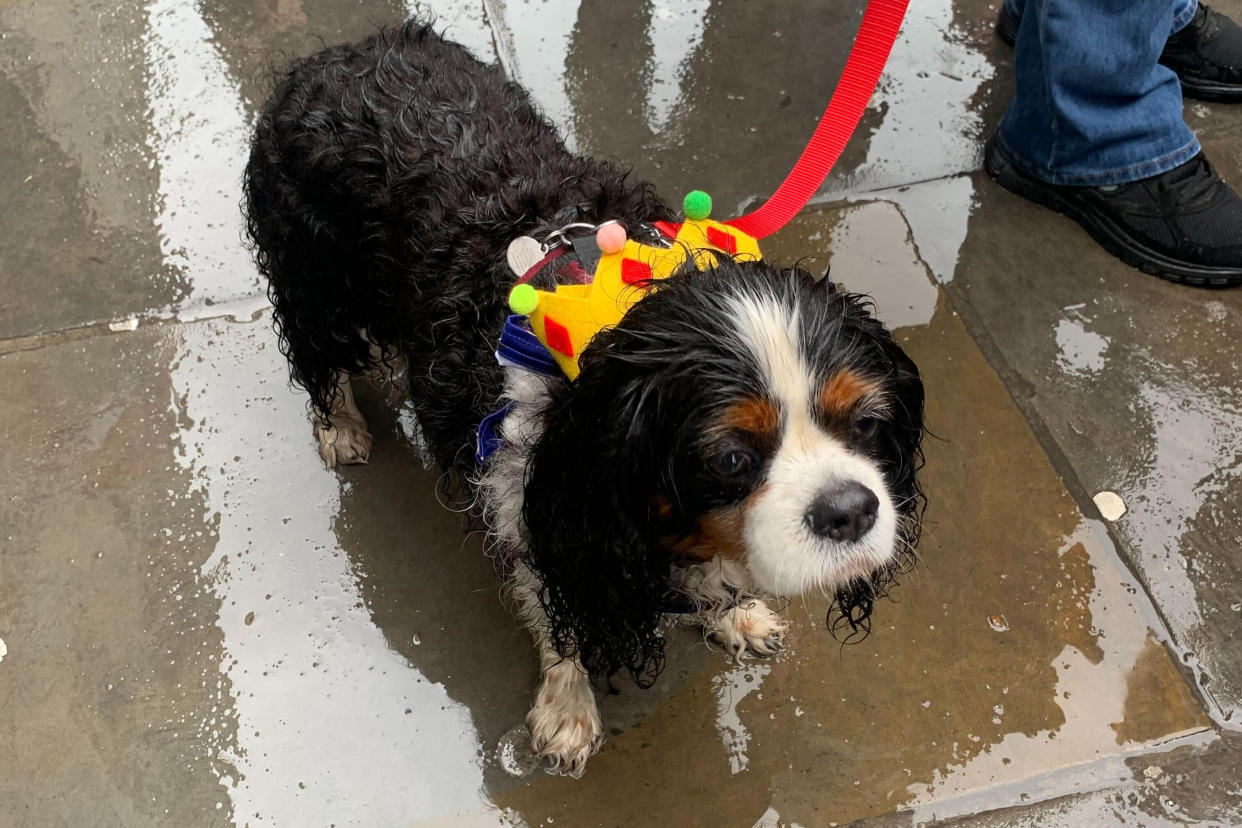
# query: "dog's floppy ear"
{"points": [[903, 455], [900, 455], [589, 513]]}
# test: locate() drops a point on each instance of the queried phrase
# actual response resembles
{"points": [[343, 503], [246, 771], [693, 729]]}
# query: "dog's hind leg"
{"points": [[564, 723], [343, 436]]}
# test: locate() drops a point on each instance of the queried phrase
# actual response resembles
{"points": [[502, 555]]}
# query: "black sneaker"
{"points": [[1184, 225], [1206, 54]]}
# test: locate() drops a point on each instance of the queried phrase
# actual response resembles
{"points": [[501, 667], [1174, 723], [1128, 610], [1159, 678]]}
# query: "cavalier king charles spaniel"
{"points": [[745, 431]]}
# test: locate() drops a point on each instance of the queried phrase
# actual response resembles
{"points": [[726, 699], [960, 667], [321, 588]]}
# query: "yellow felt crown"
{"points": [[567, 319]]}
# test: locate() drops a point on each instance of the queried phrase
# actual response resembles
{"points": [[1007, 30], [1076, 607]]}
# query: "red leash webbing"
{"points": [[880, 24]]}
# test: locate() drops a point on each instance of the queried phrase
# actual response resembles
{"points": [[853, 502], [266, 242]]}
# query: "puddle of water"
{"points": [[926, 92], [731, 687], [1194, 427], [871, 253], [463, 21], [1102, 808], [532, 40], [868, 246], [1156, 426], [1080, 352], [771, 818], [927, 135], [332, 725], [938, 213], [674, 30], [199, 138]]}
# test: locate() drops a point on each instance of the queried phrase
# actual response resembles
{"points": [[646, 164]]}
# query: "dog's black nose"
{"points": [[843, 512]]}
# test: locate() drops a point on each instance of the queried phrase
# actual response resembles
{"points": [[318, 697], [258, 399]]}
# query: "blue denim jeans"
{"points": [[1092, 106]]}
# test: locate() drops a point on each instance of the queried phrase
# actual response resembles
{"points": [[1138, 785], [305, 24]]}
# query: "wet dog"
{"points": [[744, 431]]}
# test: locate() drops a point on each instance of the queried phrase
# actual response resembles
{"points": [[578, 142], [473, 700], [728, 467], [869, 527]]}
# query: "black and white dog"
{"points": [[745, 431]]}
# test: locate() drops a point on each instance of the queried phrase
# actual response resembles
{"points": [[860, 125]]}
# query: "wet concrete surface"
{"points": [[266, 634], [1183, 786], [201, 625], [1133, 384]]}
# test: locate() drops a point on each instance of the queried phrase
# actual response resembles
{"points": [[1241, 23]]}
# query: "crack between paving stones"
{"points": [[241, 311]]}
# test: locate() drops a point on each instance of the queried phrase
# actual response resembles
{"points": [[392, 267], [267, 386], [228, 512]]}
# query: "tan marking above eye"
{"points": [[756, 415], [841, 393]]}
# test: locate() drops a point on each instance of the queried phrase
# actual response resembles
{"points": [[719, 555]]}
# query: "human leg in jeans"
{"points": [[1095, 131]]}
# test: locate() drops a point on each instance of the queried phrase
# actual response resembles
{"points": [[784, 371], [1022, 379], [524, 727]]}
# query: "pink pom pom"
{"points": [[610, 237]]}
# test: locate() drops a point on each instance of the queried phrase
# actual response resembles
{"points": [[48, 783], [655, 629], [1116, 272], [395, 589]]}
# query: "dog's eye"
{"points": [[864, 428], [732, 463]]}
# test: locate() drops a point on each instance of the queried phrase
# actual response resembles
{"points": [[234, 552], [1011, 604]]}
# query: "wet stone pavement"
{"points": [[200, 625]]}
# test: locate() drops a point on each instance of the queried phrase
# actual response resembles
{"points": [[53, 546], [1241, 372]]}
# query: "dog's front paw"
{"points": [[750, 626], [343, 441], [564, 724]]}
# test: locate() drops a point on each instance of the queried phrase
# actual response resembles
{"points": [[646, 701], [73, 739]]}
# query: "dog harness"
{"points": [[566, 317], [583, 278]]}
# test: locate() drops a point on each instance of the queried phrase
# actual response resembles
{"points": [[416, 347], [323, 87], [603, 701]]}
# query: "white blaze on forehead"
{"points": [[770, 331], [782, 553]]}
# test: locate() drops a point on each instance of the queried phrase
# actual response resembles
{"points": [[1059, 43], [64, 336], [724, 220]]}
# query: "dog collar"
{"points": [[566, 317]]}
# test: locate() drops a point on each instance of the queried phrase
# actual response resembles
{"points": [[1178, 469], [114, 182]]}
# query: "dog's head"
{"points": [[742, 411]]}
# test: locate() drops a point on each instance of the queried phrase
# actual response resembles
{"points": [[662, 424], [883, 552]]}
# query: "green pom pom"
{"points": [[697, 205], [523, 299]]}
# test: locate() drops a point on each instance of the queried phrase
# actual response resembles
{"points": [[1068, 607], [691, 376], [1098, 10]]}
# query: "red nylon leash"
{"points": [[880, 24]]}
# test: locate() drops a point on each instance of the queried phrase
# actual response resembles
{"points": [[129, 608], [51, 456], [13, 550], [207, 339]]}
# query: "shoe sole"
{"points": [[1206, 90], [1107, 233], [1195, 88]]}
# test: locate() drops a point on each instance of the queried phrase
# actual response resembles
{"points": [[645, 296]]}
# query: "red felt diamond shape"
{"points": [[558, 336], [722, 240], [633, 271]]}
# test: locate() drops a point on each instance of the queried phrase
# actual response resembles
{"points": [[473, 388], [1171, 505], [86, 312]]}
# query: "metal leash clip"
{"points": [[559, 237], [643, 232], [650, 236]]}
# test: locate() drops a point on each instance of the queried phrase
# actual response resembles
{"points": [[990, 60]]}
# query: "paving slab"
{"points": [[76, 178], [196, 612], [111, 678], [127, 128], [1133, 383], [1189, 785], [187, 640], [1185, 786]]}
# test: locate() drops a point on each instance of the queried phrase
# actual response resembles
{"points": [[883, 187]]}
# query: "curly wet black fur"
{"points": [[385, 180], [384, 184]]}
